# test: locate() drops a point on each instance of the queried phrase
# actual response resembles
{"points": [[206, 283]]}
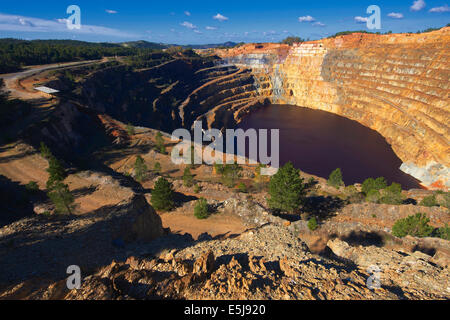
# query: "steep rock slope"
{"points": [[170, 95], [397, 85]]}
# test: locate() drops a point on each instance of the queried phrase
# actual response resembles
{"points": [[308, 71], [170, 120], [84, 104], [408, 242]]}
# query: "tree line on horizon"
{"points": [[15, 54], [295, 39]]}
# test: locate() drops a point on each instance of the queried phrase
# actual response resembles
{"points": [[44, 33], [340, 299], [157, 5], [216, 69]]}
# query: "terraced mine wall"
{"points": [[397, 85], [93, 111], [171, 95]]}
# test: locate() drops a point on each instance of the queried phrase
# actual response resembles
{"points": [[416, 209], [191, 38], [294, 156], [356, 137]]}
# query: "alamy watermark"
{"points": [[74, 20], [374, 281], [74, 280], [214, 152], [374, 21]]}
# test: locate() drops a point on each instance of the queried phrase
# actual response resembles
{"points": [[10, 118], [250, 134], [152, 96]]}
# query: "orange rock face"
{"points": [[396, 84]]}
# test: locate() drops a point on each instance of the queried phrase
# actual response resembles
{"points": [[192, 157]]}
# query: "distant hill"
{"points": [[141, 44], [228, 44], [15, 53]]}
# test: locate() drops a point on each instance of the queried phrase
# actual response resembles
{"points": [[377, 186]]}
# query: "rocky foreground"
{"points": [[125, 251], [269, 262]]}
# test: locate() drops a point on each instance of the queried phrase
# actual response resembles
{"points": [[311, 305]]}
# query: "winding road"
{"points": [[12, 80]]}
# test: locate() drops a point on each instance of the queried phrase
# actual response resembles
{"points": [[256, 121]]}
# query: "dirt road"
{"points": [[12, 80]]}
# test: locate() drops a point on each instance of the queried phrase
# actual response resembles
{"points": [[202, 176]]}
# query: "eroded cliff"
{"points": [[396, 84]]}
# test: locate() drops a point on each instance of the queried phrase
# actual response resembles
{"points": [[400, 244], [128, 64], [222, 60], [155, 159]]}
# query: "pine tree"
{"points": [[373, 184], [57, 191], [162, 195], [160, 143], [201, 210], [188, 178], [140, 169], [286, 189], [45, 151], [61, 197], [416, 225], [335, 179], [56, 172]]}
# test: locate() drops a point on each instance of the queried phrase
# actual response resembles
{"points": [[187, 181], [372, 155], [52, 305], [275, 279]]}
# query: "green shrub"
{"points": [[162, 195], [61, 197], [373, 184], [157, 167], [140, 169], [353, 195], [130, 129], [160, 143], [291, 40], [335, 179], [230, 173], [373, 196], [312, 224], [392, 194], [188, 178], [242, 187], [429, 201], [219, 168], [197, 188], [201, 210], [350, 190], [444, 232], [45, 151], [446, 200], [57, 191], [286, 189], [415, 225], [56, 171], [32, 187]]}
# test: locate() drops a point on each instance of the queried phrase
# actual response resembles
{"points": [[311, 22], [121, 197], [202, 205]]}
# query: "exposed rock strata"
{"points": [[397, 85]]}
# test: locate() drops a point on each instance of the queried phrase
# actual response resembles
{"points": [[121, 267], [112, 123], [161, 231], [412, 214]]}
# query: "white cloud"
{"points": [[188, 25], [319, 24], [111, 11], [198, 31], [418, 5], [187, 13], [444, 8], [29, 24], [210, 28], [395, 15], [306, 19], [361, 19], [25, 22], [220, 17]]}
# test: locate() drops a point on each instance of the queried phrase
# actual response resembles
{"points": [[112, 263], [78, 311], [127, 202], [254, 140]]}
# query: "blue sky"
{"points": [[200, 22]]}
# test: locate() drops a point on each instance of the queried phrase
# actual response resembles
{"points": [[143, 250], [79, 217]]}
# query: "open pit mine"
{"points": [[396, 84], [140, 226]]}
